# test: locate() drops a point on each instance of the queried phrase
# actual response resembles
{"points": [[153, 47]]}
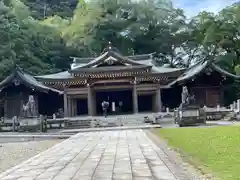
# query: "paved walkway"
{"points": [[115, 128], [110, 155]]}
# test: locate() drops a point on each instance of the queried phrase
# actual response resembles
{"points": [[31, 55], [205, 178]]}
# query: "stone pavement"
{"points": [[116, 128], [110, 155]]}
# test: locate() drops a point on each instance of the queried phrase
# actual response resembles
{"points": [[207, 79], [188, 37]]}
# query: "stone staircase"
{"points": [[78, 124], [132, 121], [110, 121]]}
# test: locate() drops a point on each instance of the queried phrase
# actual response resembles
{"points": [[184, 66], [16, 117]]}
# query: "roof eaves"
{"points": [[222, 71], [27, 80], [191, 72], [93, 62]]}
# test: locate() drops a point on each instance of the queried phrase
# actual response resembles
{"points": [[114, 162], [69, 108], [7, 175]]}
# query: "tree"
{"points": [[135, 27], [41, 9]]}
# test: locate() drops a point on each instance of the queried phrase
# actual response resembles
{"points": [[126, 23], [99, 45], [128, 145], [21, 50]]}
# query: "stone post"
{"points": [[14, 119], [45, 124], [65, 99], [93, 123], [135, 97], [167, 110], [238, 105], [234, 105], [218, 107], [41, 118]]}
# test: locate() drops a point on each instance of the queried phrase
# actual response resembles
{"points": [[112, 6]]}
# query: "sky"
{"points": [[193, 7]]}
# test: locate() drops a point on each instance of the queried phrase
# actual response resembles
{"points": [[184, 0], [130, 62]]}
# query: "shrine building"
{"points": [[132, 84]]}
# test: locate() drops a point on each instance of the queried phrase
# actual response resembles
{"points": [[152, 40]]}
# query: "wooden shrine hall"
{"points": [[131, 84]]}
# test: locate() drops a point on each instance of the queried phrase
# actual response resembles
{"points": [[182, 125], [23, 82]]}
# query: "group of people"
{"points": [[105, 107]]}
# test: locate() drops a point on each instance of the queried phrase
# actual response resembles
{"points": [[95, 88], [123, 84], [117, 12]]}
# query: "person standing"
{"points": [[120, 104], [105, 106]]}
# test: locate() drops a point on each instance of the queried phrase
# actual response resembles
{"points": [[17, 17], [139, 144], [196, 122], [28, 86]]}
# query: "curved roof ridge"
{"points": [[221, 70], [26, 79]]}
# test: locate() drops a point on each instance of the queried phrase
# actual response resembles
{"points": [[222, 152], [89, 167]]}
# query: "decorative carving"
{"points": [[208, 71], [16, 82], [109, 61]]}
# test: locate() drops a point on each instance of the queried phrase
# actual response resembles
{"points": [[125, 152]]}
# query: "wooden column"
{"points": [[75, 107], [65, 99], [94, 103], [158, 100], [5, 108], [90, 101], [135, 97], [69, 106], [36, 102], [72, 107]]}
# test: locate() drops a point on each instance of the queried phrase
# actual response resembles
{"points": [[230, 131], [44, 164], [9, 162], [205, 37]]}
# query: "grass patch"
{"points": [[217, 148]]}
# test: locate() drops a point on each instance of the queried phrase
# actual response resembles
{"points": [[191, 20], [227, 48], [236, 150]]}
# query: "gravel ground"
{"points": [[12, 154]]}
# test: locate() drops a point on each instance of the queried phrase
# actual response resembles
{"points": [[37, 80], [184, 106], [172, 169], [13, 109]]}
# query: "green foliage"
{"points": [[40, 35], [33, 45], [40, 9]]}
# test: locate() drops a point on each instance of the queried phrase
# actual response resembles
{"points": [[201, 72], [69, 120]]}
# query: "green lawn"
{"points": [[217, 148]]}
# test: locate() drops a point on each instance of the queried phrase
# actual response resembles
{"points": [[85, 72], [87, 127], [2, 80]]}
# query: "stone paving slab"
{"points": [[35, 136], [110, 155], [144, 126]]}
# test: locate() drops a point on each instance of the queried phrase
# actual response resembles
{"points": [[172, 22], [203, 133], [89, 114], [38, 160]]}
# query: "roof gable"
{"points": [[110, 56], [19, 77], [199, 68]]}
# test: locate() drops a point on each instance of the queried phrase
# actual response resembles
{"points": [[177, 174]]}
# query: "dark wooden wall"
{"points": [[13, 99], [207, 89]]}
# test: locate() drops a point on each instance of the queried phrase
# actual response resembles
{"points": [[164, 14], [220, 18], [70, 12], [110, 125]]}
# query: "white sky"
{"points": [[193, 7]]}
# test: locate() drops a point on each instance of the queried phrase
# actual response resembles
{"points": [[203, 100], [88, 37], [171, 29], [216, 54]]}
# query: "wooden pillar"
{"points": [[65, 99], [90, 101], [72, 107], [22, 103], [75, 107], [158, 100], [36, 103], [135, 97], [94, 103], [5, 106], [69, 106]]}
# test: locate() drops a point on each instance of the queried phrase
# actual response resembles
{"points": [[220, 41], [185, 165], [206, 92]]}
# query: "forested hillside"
{"points": [[41, 35]]}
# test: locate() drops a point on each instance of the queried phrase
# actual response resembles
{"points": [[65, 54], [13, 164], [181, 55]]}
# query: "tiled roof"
{"points": [[110, 53], [60, 75], [199, 68], [27, 80]]}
